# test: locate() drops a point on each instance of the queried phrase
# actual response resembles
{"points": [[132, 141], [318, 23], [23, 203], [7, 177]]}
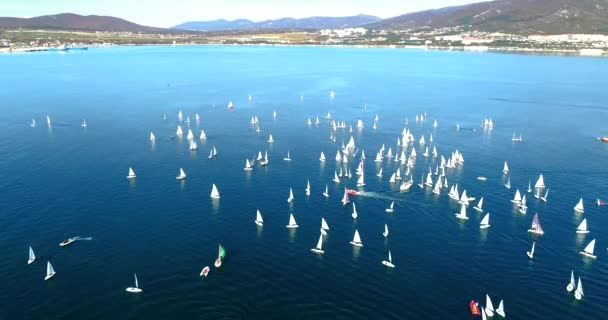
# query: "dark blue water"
{"points": [[66, 181]]}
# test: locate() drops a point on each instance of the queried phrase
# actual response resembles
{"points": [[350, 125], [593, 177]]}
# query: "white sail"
{"points": [[505, 168], [540, 183], [392, 179], [354, 214], [479, 205], [359, 123], [357, 239], [582, 228], [248, 166], [463, 213], [202, 136], [182, 174], [517, 197], [324, 225], [379, 174], [270, 139], [180, 115], [391, 207], [152, 136], [319, 247], [531, 252], [48, 121], [501, 309], [136, 281], [485, 222], [360, 181], [489, 306], [322, 157], [307, 187], [214, 192], [193, 145], [290, 199], [571, 284], [179, 130], [32, 256], [131, 173], [33, 124], [578, 294], [326, 193], [50, 272], [258, 218], [579, 206], [190, 135], [385, 233], [288, 158], [292, 222], [544, 198], [588, 251]]}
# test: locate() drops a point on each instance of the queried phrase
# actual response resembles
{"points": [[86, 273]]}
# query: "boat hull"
{"points": [[30, 261], [389, 210], [540, 233], [315, 250], [577, 295], [323, 232], [259, 223], [356, 244], [570, 287], [530, 255], [588, 255], [388, 264], [582, 231], [205, 272], [292, 226], [133, 290], [485, 226], [49, 276]]}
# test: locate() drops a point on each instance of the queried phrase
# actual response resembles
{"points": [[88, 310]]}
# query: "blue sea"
{"points": [[64, 181]]}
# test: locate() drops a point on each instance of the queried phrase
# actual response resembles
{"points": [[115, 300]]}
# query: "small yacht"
{"points": [[50, 272], [31, 257], [357, 240], [578, 294], [489, 306], [292, 222], [536, 227], [67, 242], [248, 166], [322, 158], [326, 193], [270, 139], [203, 136], [582, 228], [152, 136], [544, 198], [571, 284], [354, 214], [33, 124], [288, 158], [463, 213], [324, 227], [389, 262], [319, 248], [131, 174], [390, 209], [385, 233], [531, 252], [579, 206], [479, 205], [215, 194], [182, 174], [193, 145], [290, 199], [135, 289], [258, 219], [48, 121], [179, 130], [588, 251], [501, 309], [485, 222]]}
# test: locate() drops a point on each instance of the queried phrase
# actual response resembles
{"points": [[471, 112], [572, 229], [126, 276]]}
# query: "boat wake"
{"points": [[83, 238], [377, 195]]}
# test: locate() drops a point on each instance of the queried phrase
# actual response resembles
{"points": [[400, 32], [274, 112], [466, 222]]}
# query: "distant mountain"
{"points": [[511, 16], [284, 23], [70, 21]]}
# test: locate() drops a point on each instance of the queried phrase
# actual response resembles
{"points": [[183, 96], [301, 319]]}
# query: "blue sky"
{"points": [[166, 13]]}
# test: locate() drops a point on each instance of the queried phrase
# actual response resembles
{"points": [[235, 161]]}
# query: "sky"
{"points": [[167, 13]]}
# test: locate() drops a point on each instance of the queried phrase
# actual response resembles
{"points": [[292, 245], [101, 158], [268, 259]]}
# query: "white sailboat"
{"points": [[319, 247], [322, 157], [529, 187], [517, 197], [292, 222], [50, 272], [270, 139], [536, 227], [48, 121], [389, 262], [489, 306], [131, 174], [31, 257], [248, 166], [579, 206], [578, 294], [336, 178], [501, 309], [485, 222], [258, 219], [479, 205], [202, 136], [179, 130], [345, 199], [540, 183], [588, 251], [544, 198], [571, 284], [463, 213], [505, 168], [190, 135], [324, 227], [215, 194], [379, 174], [326, 193], [307, 190], [152, 136], [354, 214], [582, 228], [360, 181], [391, 208], [84, 123], [182, 174], [385, 233], [288, 158], [135, 289], [508, 184], [33, 124], [193, 145], [531, 252], [357, 240]]}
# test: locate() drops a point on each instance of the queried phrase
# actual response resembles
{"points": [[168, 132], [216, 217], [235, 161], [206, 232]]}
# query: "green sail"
{"points": [[222, 252]]}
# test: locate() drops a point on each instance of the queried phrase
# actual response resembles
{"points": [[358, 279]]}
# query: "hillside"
{"points": [[283, 23], [511, 16], [70, 21]]}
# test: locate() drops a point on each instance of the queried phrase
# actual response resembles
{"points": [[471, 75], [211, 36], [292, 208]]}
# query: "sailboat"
{"points": [[479, 204], [33, 124], [529, 187], [588, 251], [508, 184], [540, 183], [292, 222], [215, 194], [182, 174], [258, 219], [517, 197], [84, 123], [505, 168], [322, 157], [582, 228], [379, 174], [354, 214], [179, 130], [531, 252], [489, 306], [202, 136], [463, 213], [290, 199], [389, 262], [319, 248], [135, 289], [357, 240], [360, 181], [544, 198], [578, 294], [579, 206], [248, 166], [193, 145], [152, 136], [212, 152], [324, 227], [307, 190], [501, 309], [336, 178], [391, 208], [48, 121], [345, 199], [32, 256], [288, 158], [571, 284], [190, 135], [536, 227], [270, 139], [221, 254], [131, 174], [485, 222], [326, 193], [385, 233], [50, 272]]}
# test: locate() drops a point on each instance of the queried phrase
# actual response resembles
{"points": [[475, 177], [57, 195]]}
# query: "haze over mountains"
{"points": [[508, 16]]}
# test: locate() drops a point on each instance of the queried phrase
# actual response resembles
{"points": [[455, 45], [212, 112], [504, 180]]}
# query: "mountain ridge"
{"points": [[316, 23]]}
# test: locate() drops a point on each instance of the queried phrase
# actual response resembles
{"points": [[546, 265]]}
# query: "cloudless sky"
{"points": [[166, 13]]}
